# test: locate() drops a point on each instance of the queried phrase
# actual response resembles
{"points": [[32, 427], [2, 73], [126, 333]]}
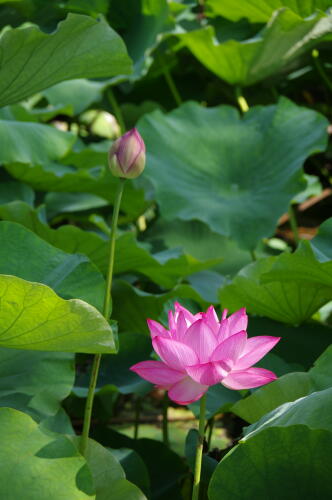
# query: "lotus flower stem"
{"points": [[210, 427], [320, 69], [170, 82], [106, 313], [117, 110], [199, 450], [137, 416], [165, 420], [293, 224]]}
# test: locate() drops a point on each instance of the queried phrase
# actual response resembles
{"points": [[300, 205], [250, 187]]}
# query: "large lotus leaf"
{"points": [[197, 239], [33, 317], [245, 171], [71, 276], [165, 467], [35, 382], [287, 388], [322, 242], [35, 465], [288, 288], [260, 11], [277, 47], [164, 268], [313, 411], [108, 476], [81, 47], [321, 372], [292, 463], [33, 143]]}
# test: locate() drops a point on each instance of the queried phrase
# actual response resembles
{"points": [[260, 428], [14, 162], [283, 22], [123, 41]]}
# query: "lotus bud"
{"points": [[127, 155]]}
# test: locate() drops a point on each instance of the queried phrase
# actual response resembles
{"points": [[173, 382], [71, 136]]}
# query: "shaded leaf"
{"points": [[81, 47], [245, 172]]}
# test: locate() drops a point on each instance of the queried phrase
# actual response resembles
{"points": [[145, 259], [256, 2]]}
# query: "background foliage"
{"points": [[233, 100]]}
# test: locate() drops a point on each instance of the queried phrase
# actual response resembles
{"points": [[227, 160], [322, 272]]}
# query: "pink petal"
{"points": [[255, 349], [238, 321], [201, 339], [171, 322], [131, 145], [181, 327], [187, 314], [207, 373], [157, 373], [175, 354], [231, 349], [212, 319], [224, 331], [186, 391], [157, 329], [247, 379], [224, 314]]}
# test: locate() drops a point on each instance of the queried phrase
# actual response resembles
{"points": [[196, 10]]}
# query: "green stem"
{"points": [[199, 450], [106, 314], [165, 420], [137, 415], [241, 100], [320, 69], [293, 224], [116, 110], [170, 82], [209, 438], [253, 255]]}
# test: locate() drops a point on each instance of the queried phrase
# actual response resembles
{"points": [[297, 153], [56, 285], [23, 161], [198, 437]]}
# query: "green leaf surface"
{"points": [[78, 93], [12, 191], [245, 172], [108, 476], [260, 11], [275, 49], [81, 47], [313, 411], [38, 143], [70, 276], [287, 388], [322, 242], [33, 317], [291, 463], [166, 468], [35, 382], [164, 268], [288, 288], [218, 399], [35, 465], [134, 467]]}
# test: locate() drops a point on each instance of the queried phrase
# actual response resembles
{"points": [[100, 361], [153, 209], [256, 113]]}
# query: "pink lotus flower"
{"points": [[198, 351], [127, 155]]}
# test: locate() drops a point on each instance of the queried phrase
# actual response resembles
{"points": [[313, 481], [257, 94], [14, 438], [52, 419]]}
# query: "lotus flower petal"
{"points": [[157, 329], [212, 319], [174, 353], [255, 349], [157, 373], [231, 348], [206, 374], [186, 391], [238, 321], [247, 379], [201, 339]]}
